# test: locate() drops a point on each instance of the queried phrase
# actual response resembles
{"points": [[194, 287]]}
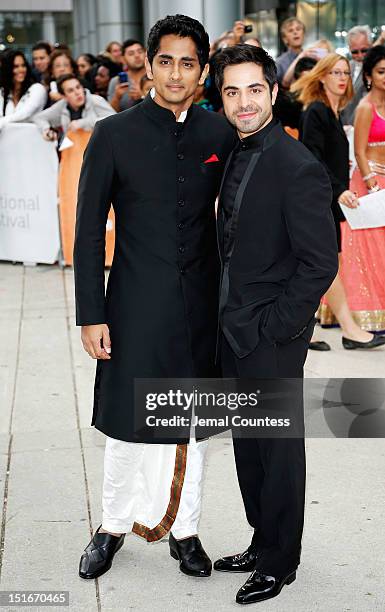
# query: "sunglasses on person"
{"points": [[357, 51]]}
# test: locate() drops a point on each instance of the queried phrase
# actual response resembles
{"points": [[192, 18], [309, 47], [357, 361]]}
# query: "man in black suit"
{"points": [[160, 164], [279, 255]]}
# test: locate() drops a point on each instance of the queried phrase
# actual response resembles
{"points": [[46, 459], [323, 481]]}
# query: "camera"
{"points": [[248, 29]]}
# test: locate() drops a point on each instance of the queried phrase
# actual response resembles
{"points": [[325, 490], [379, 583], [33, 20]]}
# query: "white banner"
{"points": [[29, 226]]}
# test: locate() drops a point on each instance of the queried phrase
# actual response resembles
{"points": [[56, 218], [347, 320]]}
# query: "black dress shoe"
{"points": [[354, 344], [319, 345], [260, 587], [97, 557], [243, 562], [192, 558]]}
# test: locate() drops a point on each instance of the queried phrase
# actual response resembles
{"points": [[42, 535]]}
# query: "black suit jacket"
{"points": [[161, 304], [281, 253], [323, 134]]}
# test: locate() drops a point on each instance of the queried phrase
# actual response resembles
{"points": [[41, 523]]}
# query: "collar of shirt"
{"points": [[255, 141], [164, 114]]}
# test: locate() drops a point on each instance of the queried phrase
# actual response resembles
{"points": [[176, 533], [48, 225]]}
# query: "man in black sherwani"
{"points": [[160, 164], [279, 255]]}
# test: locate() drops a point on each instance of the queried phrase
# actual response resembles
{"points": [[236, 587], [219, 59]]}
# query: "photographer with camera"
{"points": [[234, 37]]}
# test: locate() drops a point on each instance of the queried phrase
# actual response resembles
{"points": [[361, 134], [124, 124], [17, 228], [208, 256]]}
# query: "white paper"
{"points": [[370, 213], [66, 143]]}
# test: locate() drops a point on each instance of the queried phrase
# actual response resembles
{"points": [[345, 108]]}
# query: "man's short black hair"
{"points": [[183, 26], [130, 42], [245, 54], [42, 44]]}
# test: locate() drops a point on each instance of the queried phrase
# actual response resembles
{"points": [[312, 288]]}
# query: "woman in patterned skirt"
{"points": [[363, 251]]}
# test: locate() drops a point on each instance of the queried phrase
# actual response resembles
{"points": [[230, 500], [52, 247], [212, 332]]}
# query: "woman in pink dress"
{"points": [[363, 251]]}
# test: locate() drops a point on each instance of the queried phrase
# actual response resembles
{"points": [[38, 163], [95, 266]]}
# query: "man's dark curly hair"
{"points": [[183, 26]]}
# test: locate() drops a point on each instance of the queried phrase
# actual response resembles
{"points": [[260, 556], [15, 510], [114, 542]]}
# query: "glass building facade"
{"points": [[329, 19], [22, 29], [91, 22]]}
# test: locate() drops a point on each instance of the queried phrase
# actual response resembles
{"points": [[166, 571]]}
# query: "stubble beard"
{"points": [[249, 126]]}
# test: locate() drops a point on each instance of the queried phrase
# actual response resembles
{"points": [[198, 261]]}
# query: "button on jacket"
{"points": [[161, 303]]}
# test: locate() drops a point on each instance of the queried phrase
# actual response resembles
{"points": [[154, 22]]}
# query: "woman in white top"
{"points": [[20, 97]]}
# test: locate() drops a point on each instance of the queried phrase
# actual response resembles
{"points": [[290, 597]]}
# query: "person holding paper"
{"points": [[325, 91], [364, 249]]}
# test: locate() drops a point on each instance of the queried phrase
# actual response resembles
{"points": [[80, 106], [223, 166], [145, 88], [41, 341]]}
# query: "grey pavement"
{"points": [[51, 464]]}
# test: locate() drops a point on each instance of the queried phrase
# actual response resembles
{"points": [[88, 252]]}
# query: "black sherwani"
{"points": [[161, 300], [279, 255]]}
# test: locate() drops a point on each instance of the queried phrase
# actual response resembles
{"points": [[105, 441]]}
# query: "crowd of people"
{"points": [[322, 96]]}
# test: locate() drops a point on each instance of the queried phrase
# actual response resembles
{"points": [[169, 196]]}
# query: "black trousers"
{"points": [[271, 471]]}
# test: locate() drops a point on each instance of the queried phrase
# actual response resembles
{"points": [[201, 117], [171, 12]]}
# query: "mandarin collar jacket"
{"points": [[162, 178]]}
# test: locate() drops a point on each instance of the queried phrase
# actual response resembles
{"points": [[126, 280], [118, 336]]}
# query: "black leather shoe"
{"points": [[243, 562], [192, 558], [354, 344], [98, 555], [260, 587], [319, 345]]}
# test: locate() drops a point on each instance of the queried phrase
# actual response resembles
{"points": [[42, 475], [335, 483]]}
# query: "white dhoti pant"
{"points": [[151, 489]]}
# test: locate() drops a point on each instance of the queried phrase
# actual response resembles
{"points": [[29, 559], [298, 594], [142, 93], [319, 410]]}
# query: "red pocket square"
{"points": [[213, 158]]}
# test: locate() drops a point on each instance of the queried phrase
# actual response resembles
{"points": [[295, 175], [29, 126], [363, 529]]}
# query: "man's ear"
{"points": [[204, 74], [274, 93], [148, 69]]}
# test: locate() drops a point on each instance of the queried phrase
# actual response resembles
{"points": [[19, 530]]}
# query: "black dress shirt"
{"points": [[241, 158]]}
